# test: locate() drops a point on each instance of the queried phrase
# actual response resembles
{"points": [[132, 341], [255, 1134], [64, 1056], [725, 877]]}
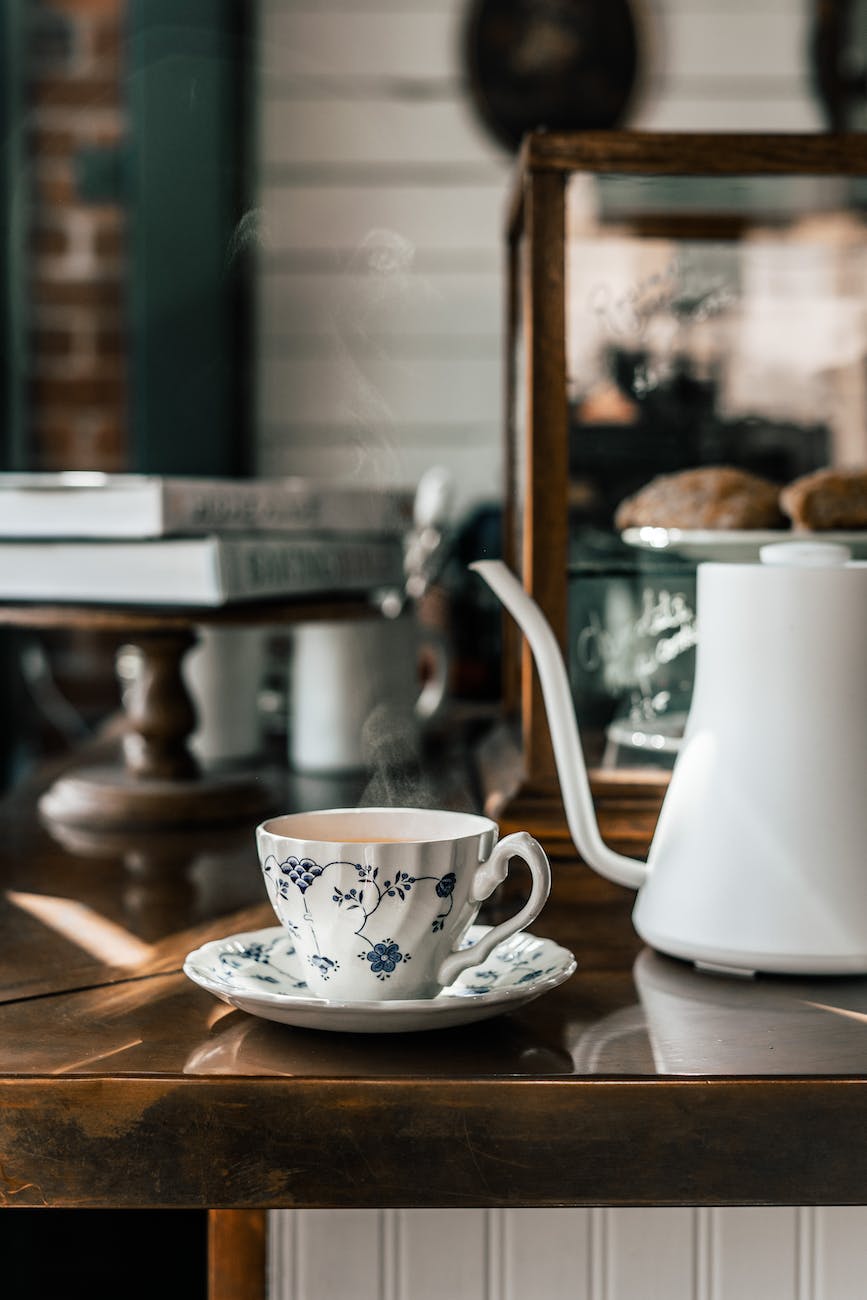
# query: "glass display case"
{"points": [[676, 302]]}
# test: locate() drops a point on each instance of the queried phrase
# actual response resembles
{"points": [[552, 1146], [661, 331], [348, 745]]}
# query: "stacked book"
{"points": [[147, 540]]}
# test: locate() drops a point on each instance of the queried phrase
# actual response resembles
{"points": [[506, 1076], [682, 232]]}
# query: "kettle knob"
{"points": [[806, 555]]}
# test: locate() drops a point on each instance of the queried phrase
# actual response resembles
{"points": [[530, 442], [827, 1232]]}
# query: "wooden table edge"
{"points": [[267, 1143]]}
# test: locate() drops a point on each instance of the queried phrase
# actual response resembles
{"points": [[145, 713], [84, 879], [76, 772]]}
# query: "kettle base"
{"points": [[729, 961], [714, 968]]}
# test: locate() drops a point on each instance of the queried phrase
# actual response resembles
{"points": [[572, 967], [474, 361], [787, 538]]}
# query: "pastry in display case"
{"points": [[686, 381]]}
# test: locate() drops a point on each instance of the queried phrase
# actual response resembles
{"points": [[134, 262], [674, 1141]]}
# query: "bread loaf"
{"points": [[717, 496], [828, 498]]}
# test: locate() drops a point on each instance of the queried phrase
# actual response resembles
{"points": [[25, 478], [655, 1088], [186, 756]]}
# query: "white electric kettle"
{"points": [[759, 860]]}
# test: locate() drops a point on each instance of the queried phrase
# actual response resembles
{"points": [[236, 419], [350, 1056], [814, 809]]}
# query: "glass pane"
{"points": [[631, 652], [711, 322]]}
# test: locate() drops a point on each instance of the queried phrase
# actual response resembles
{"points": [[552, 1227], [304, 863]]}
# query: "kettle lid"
{"points": [[806, 554]]}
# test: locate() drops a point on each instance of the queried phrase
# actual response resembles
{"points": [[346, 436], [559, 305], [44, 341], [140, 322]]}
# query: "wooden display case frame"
{"points": [[536, 536]]}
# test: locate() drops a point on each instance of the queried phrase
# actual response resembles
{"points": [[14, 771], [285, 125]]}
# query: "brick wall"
{"points": [[77, 391], [76, 398]]}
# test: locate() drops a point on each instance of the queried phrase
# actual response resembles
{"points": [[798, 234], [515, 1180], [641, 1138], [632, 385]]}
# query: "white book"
{"points": [[82, 504], [203, 571]]}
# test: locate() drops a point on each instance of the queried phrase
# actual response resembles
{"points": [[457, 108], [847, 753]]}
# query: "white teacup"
{"points": [[378, 899]]}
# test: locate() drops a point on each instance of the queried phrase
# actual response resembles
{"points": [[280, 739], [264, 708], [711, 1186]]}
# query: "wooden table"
{"points": [[637, 1082]]}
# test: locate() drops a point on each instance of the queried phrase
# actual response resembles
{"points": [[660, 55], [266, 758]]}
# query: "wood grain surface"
{"points": [[696, 154], [237, 1255]]}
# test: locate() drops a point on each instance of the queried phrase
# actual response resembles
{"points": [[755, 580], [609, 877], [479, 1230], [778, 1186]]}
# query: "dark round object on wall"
{"points": [[568, 65], [838, 73]]}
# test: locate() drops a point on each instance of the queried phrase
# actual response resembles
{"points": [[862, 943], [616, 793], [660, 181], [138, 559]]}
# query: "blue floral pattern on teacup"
{"points": [[325, 965], [383, 958], [300, 872], [383, 955]]}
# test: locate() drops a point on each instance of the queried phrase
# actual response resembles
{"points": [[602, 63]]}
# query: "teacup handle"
{"points": [[490, 874]]}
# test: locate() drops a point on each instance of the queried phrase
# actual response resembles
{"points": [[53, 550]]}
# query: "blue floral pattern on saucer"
{"points": [[261, 959], [261, 972]]}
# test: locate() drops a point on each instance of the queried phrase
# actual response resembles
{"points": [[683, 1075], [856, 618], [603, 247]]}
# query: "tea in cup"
{"points": [[378, 900]]}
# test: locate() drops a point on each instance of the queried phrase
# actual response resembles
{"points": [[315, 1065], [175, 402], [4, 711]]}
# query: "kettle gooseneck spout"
{"points": [[569, 756]]}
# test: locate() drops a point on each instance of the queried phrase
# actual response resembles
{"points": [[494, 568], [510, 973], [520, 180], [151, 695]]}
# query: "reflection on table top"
{"points": [[545, 1104], [657, 1018]]}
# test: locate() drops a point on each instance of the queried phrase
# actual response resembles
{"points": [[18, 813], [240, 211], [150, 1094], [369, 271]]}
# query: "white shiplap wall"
{"points": [[380, 352], [379, 294], [380, 286]]}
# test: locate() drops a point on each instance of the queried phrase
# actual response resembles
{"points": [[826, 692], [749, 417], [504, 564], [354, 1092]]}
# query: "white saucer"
{"points": [[259, 972]]}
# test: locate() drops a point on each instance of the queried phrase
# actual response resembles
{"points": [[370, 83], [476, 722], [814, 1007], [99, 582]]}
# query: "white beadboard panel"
{"points": [[378, 394], [373, 131], [805, 1245], [400, 42], [441, 1253], [546, 1254], [735, 112], [703, 1253], [364, 444], [649, 1255], [475, 463], [755, 1252], [785, 7], [840, 1252], [389, 223], [269, 8], [338, 1255], [328, 1255], [280, 1248], [789, 1253], [742, 43], [411, 44], [389, 1240], [442, 304], [362, 345]]}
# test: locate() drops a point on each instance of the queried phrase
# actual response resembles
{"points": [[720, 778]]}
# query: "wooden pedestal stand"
{"points": [[160, 784]]}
